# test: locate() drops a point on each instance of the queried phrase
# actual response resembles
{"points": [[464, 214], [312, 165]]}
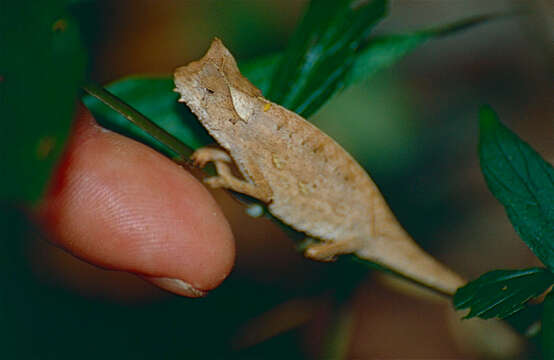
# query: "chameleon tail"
{"points": [[403, 256]]}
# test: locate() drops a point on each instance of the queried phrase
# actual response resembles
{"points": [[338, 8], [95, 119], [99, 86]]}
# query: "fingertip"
{"points": [[120, 205]]}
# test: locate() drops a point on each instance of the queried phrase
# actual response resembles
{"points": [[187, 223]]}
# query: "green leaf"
{"points": [[522, 181], [153, 97], [501, 293], [41, 68], [384, 51], [547, 336], [321, 52]]}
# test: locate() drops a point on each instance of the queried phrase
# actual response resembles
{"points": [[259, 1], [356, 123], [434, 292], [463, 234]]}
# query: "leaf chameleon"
{"points": [[307, 180]]}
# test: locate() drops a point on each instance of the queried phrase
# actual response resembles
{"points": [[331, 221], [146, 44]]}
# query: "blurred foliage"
{"points": [[340, 333], [502, 293], [41, 69], [381, 52]]}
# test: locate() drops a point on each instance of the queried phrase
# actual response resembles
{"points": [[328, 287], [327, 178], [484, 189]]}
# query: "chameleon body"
{"points": [[307, 180]]}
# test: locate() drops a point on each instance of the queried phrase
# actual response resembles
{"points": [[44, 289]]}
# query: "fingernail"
{"points": [[176, 286]]}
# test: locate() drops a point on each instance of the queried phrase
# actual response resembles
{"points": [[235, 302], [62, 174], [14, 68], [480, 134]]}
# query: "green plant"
{"points": [[524, 183]]}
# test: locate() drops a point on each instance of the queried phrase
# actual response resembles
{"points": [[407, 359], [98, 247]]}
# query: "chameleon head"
{"points": [[204, 86]]}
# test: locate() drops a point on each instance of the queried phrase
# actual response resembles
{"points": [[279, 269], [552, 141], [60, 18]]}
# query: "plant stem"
{"points": [[182, 151]]}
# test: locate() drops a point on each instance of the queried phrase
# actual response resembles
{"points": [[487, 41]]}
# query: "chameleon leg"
{"points": [[328, 250], [227, 180], [225, 177]]}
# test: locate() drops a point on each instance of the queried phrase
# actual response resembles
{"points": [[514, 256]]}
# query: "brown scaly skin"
{"points": [[307, 180]]}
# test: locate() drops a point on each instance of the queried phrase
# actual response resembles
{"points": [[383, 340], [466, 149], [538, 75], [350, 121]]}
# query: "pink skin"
{"points": [[120, 205]]}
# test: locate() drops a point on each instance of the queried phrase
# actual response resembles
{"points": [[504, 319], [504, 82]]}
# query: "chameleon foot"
{"points": [[327, 251], [204, 155]]}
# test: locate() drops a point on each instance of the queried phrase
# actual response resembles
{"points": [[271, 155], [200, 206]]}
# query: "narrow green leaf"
{"points": [[321, 52], [153, 97], [384, 51], [522, 181], [502, 293], [548, 327], [41, 68]]}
